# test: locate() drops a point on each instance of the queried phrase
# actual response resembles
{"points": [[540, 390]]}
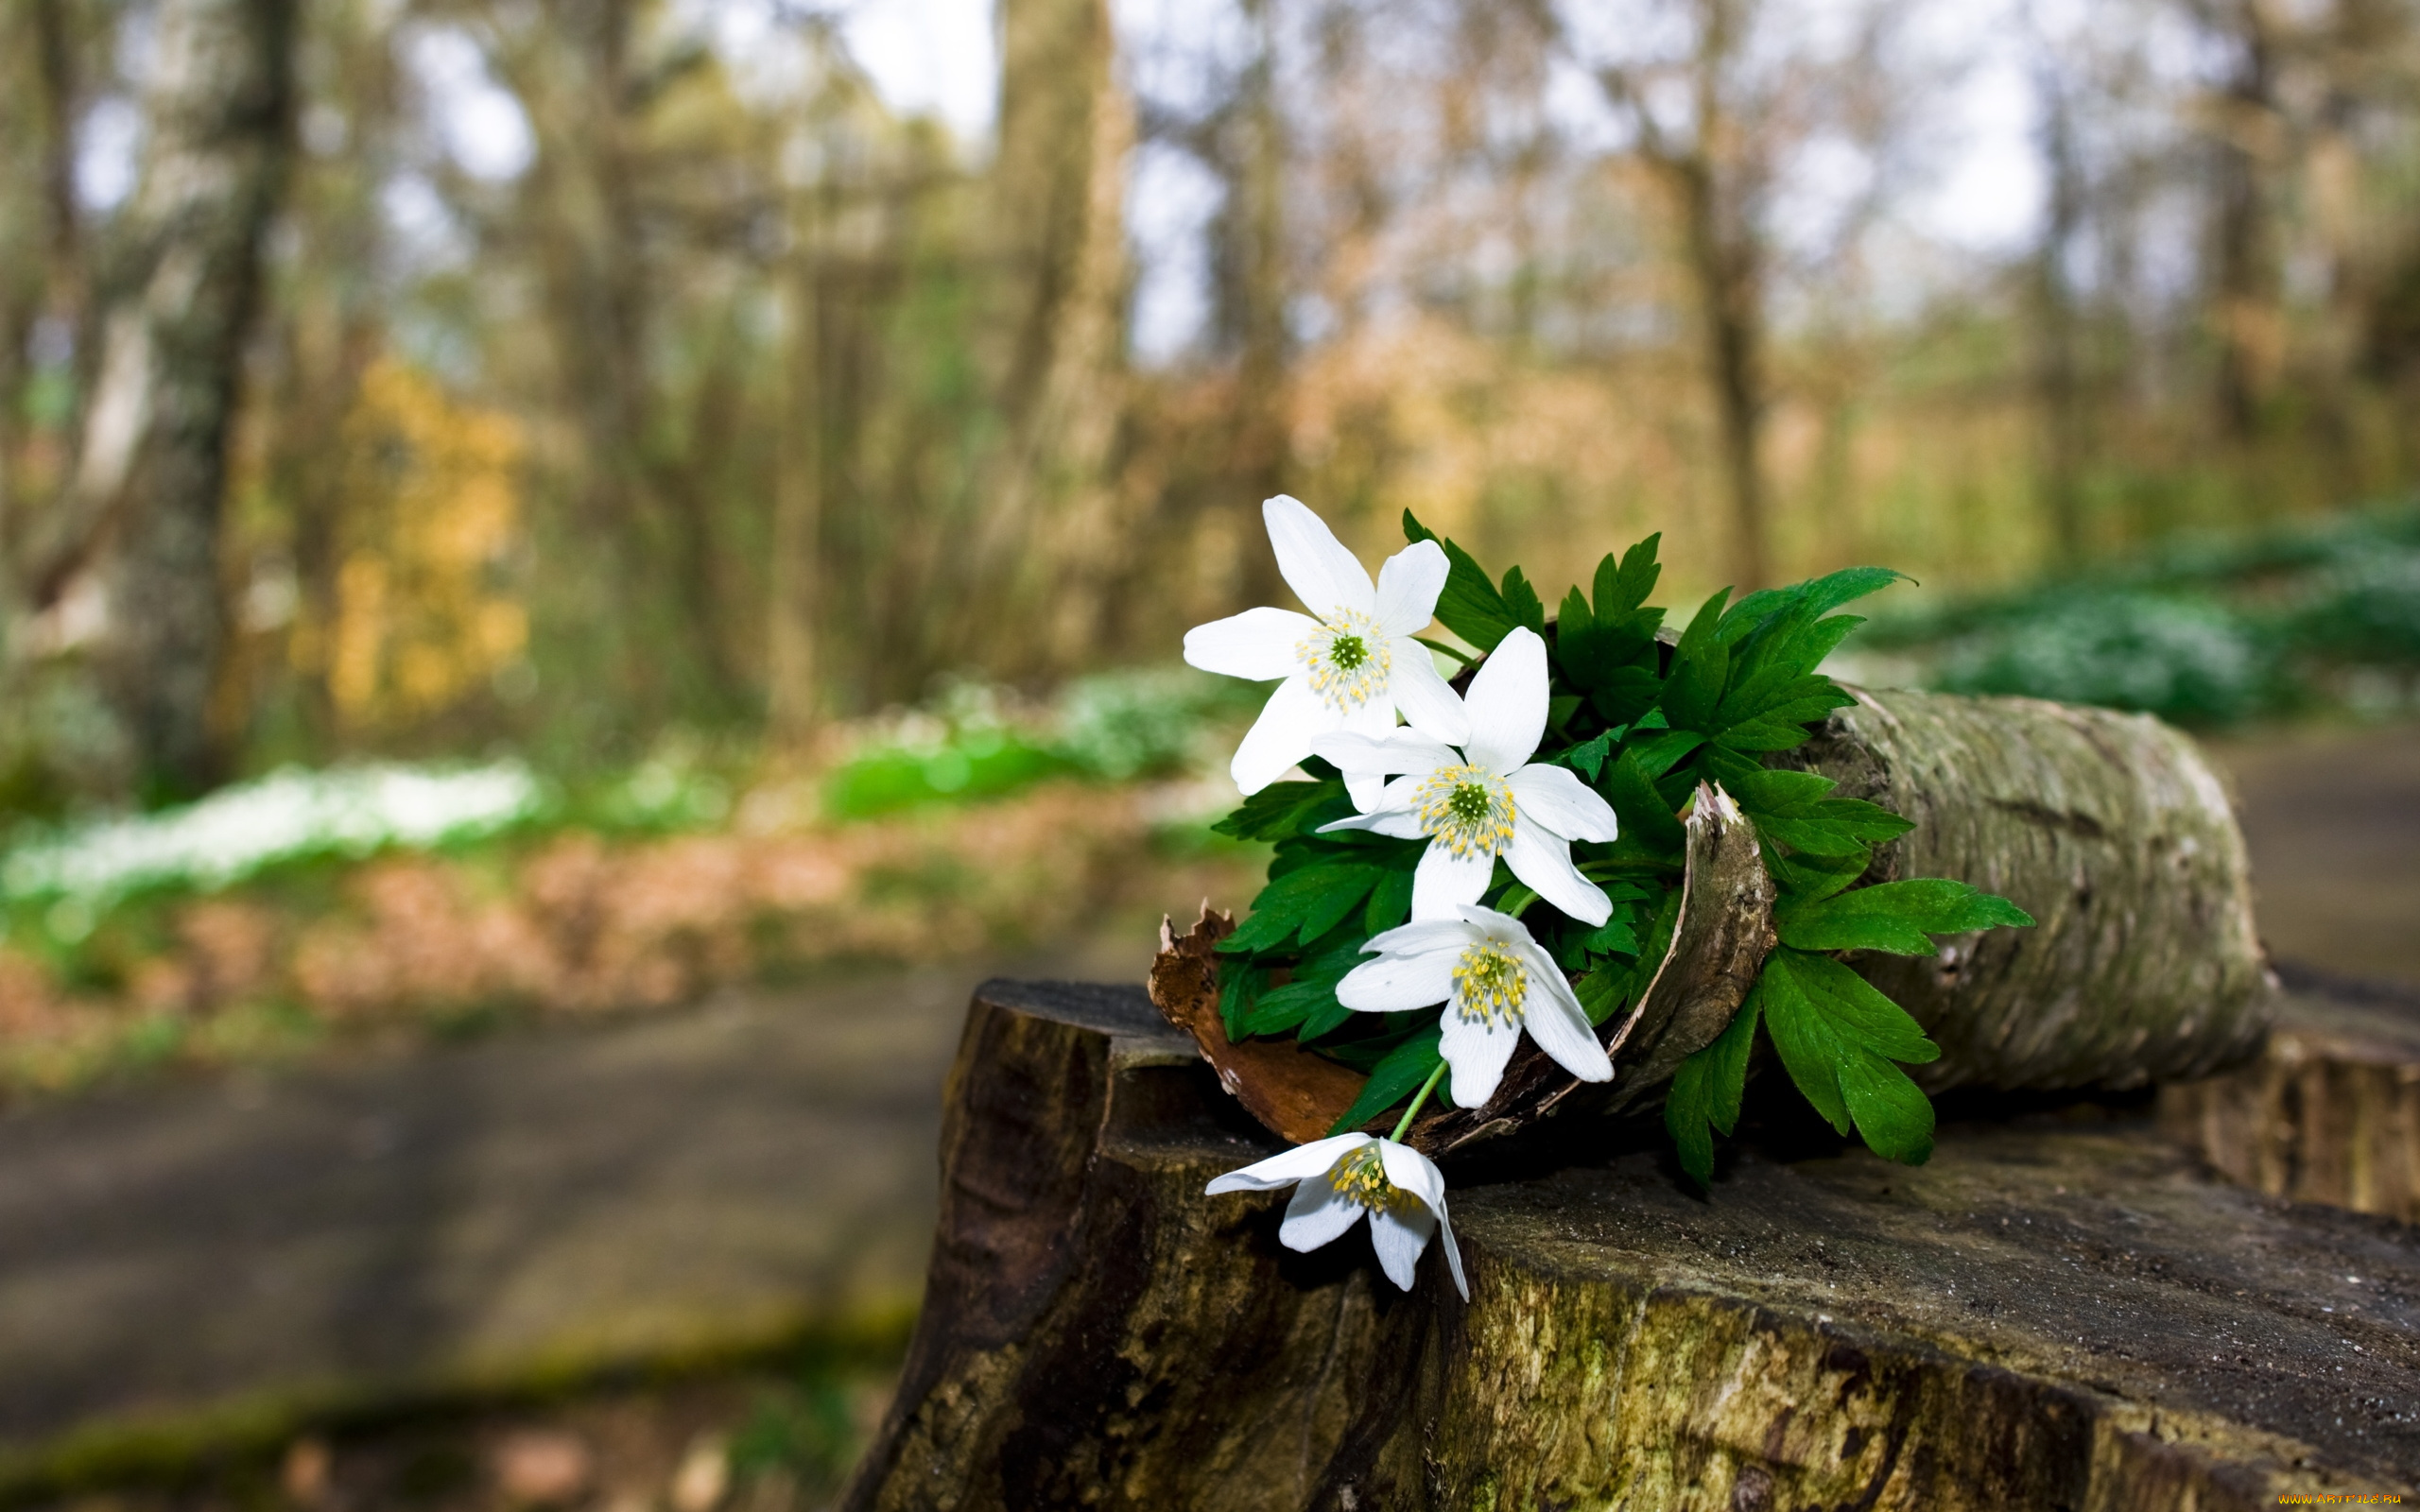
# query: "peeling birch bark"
{"points": [[2115, 834]]}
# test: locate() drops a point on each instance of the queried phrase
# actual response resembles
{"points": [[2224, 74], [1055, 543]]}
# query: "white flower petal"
{"points": [[1555, 1022], [1418, 1174], [1478, 1050], [1324, 575], [1428, 935], [1428, 702], [1543, 862], [1282, 736], [1406, 751], [1413, 1172], [1399, 1238], [1318, 1214], [1258, 644], [1399, 824], [1376, 720], [1485, 921], [1364, 789], [1453, 1253], [1444, 882], [1408, 583], [1393, 982], [1561, 803], [1298, 1165], [1507, 703]]}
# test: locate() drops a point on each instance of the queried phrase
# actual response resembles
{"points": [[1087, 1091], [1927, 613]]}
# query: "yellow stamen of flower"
{"points": [[1490, 984], [1467, 810], [1361, 1177], [1348, 660]]}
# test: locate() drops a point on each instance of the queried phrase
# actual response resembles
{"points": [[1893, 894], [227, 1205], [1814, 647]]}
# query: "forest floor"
{"points": [[649, 1262]]}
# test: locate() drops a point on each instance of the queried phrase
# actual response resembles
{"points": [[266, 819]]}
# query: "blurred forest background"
{"points": [[725, 462], [425, 376]]}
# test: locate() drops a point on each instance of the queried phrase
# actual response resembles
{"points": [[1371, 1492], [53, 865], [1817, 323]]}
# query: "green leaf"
{"points": [[1810, 1051], [1522, 602], [1389, 901], [1791, 808], [1625, 693], [1589, 758], [1343, 892], [1283, 810], [1804, 878], [1898, 917], [1817, 595], [1855, 1008], [1701, 666], [1624, 589], [1470, 606], [1239, 986], [1393, 1079], [1837, 1035], [1643, 815], [1706, 1092], [1309, 898], [1891, 1111], [1615, 936]]}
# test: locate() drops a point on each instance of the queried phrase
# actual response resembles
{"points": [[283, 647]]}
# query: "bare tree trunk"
{"points": [[2057, 379], [2243, 234], [1048, 533], [793, 667], [154, 460], [1258, 249]]}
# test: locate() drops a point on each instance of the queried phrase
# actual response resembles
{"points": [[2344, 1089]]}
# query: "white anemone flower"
{"points": [[1348, 664], [1495, 982], [1485, 799], [1343, 1177]]}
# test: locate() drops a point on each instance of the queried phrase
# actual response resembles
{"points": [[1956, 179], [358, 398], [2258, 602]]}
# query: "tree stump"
{"points": [[2330, 1112], [2058, 1312]]}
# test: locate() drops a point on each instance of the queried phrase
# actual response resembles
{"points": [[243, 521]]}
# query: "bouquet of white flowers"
{"points": [[1510, 860]]}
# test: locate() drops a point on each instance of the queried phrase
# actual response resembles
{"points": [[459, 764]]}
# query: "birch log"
{"points": [[2115, 834]]}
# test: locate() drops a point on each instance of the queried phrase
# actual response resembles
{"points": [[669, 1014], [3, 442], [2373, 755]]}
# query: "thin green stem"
{"points": [[1417, 1098], [1463, 658]]}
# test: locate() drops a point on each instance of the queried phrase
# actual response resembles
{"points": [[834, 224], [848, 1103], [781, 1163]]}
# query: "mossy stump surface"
{"points": [[2058, 1312]]}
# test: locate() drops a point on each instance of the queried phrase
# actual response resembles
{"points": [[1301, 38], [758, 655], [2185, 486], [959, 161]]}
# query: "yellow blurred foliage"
{"points": [[424, 611]]}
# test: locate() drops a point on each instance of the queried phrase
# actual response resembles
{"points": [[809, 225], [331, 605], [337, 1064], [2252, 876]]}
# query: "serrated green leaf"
{"points": [[1804, 878], [1625, 695], [1802, 1037], [1283, 810], [1469, 605], [1857, 1010], [1389, 901], [1830, 826], [1701, 666], [1238, 989], [1393, 1079], [1707, 1089], [1891, 1112], [1588, 758], [1323, 1020], [1342, 893], [1685, 1105], [1817, 595], [1616, 935], [1297, 900], [1898, 917], [1573, 617], [1641, 810], [1623, 590], [1521, 601]]}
